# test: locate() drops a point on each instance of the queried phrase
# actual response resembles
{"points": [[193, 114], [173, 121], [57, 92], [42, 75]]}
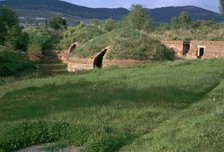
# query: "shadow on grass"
{"points": [[36, 102]]}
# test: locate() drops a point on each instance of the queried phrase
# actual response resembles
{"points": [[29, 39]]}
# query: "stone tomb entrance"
{"points": [[186, 47], [71, 48], [98, 59], [200, 51]]}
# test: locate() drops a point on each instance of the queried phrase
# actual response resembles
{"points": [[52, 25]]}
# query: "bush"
{"points": [[12, 63], [42, 38], [20, 41], [109, 25], [165, 53], [34, 47], [57, 23]]}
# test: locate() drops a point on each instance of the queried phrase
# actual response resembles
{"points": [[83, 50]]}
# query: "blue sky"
{"points": [[207, 4]]}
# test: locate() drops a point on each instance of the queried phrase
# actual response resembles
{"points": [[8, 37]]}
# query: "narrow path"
{"points": [[52, 69]]}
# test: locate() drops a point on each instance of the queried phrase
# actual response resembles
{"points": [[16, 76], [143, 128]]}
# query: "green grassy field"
{"points": [[170, 106]]}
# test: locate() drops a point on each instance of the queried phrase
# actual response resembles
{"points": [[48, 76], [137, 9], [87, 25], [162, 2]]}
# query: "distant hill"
{"points": [[164, 14], [65, 8], [34, 11]]}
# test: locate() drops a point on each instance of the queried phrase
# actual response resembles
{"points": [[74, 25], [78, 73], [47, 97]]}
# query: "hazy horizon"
{"points": [[206, 4]]}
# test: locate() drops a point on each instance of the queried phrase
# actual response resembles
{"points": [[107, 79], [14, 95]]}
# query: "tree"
{"points": [[11, 33], [184, 20], [222, 6], [174, 23], [77, 22], [57, 23], [109, 24], [164, 26], [17, 39], [138, 18], [97, 23], [8, 21]]}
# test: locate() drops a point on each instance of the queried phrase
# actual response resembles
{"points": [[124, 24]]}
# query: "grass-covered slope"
{"points": [[81, 33], [172, 106], [198, 128], [13, 62], [125, 44]]}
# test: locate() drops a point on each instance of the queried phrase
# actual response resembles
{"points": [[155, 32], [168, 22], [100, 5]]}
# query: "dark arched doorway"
{"points": [[72, 47], [98, 60]]}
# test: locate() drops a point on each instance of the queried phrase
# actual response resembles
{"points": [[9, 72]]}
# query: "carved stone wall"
{"points": [[78, 64], [209, 49], [212, 49]]}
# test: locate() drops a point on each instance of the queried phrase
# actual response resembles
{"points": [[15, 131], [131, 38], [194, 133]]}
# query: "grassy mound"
{"points": [[169, 106], [126, 44], [79, 34]]}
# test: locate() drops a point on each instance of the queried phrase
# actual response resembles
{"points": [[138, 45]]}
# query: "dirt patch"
{"points": [[45, 148]]}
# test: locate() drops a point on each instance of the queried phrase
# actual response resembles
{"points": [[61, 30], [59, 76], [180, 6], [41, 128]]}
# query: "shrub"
{"points": [[42, 38], [109, 25], [164, 53], [57, 23], [34, 47], [20, 41], [12, 63]]}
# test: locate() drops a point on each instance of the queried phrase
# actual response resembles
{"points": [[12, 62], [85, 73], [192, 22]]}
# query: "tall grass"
{"points": [[206, 31]]}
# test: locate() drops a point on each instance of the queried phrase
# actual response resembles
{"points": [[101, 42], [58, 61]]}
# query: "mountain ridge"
{"points": [[196, 13], [44, 9]]}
